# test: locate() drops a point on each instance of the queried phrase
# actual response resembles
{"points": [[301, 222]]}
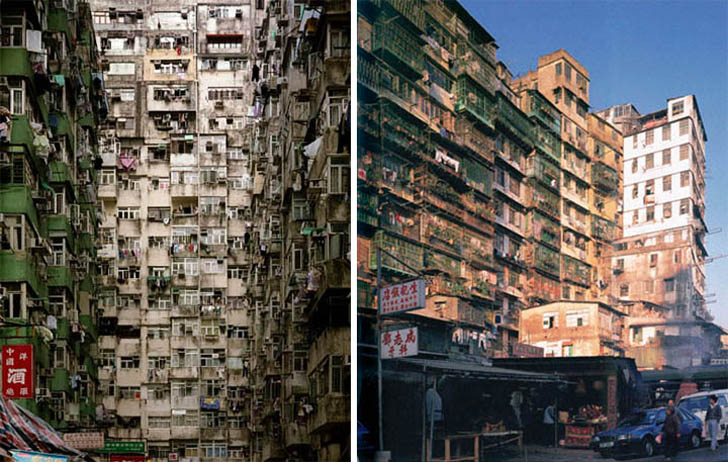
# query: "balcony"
{"points": [[602, 229], [575, 271], [331, 285], [89, 326], [17, 268], [542, 109], [331, 411], [60, 276], [547, 142], [545, 201], [546, 260], [513, 120], [472, 64], [400, 47], [473, 100], [411, 254], [412, 11], [546, 173], [605, 178], [546, 230]]}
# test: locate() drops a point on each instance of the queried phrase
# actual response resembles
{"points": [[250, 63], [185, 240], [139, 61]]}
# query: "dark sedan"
{"points": [[638, 434]]}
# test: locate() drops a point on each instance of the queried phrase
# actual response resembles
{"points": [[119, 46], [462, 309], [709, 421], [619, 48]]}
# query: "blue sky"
{"points": [[638, 51]]}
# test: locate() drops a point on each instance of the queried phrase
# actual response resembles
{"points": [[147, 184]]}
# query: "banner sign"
{"points": [[27, 456], [84, 440], [522, 350], [398, 343], [402, 297], [17, 370], [124, 447]]}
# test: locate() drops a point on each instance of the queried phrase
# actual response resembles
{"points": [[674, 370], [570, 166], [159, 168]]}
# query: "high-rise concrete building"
{"points": [[659, 264], [225, 327], [51, 104]]}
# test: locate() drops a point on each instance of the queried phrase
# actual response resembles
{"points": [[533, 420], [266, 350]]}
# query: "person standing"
{"points": [[549, 421], [712, 418], [671, 431]]}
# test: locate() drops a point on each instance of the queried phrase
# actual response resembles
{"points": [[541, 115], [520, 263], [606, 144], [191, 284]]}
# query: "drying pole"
{"points": [[379, 350]]}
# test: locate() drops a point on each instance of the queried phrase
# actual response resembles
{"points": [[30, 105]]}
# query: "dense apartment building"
{"points": [[224, 185], [503, 193], [51, 105], [659, 263]]}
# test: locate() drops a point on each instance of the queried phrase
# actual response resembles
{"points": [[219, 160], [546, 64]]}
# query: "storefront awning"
{"points": [[22, 430], [474, 370]]}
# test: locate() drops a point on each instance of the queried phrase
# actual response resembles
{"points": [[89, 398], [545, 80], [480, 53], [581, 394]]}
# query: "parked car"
{"points": [[637, 434], [698, 403]]}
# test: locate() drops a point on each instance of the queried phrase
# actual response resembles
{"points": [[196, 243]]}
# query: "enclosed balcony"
{"points": [[605, 178], [539, 107], [546, 230], [471, 63], [545, 201], [411, 254], [547, 142], [512, 119], [545, 172], [546, 260], [575, 271], [474, 100], [400, 47]]}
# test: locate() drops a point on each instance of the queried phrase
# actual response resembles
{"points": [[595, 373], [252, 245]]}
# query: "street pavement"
{"points": [[541, 454]]}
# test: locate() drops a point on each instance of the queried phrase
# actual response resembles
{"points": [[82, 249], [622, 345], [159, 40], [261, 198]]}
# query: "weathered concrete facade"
{"points": [[574, 329], [225, 287]]}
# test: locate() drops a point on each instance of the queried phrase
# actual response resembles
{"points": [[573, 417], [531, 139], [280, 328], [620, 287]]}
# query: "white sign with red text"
{"points": [[399, 343], [402, 297]]}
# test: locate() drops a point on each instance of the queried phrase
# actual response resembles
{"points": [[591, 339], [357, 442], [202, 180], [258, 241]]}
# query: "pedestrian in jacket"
{"points": [[712, 417], [671, 432]]}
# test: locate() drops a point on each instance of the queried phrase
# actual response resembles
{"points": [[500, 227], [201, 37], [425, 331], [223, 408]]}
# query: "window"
{"points": [[649, 187], [338, 175], [684, 125], [666, 157], [653, 259], [158, 422], [567, 71], [121, 69], [651, 213], [634, 142], [577, 318], [298, 258], [129, 362], [649, 138], [669, 285], [339, 43], [13, 31], [649, 286], [684, 151], [107, 358], [550, 320], [238, 332], [129, 392], [677, 108], [649, 161], [684, 205], [635, 166], [684, 179], [558, 69], [624, 290], [667, 210], [667, 183], [666, 132], [128, 213], [676, 256], [188, 419]]}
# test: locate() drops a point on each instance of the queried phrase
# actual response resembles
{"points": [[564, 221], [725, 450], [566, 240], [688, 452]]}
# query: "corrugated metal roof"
{"points": [[454, 367]]}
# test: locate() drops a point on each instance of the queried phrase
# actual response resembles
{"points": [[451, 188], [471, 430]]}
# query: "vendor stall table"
{"points": [[505, 437], [579, 434]]}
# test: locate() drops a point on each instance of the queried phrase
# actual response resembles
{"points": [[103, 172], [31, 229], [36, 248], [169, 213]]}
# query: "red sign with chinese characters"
{"points": [[17, 370], [399, 343], [402, 297], [127, 458]]}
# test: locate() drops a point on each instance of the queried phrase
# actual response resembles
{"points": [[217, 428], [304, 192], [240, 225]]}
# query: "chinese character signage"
{"points": [[84, 440], [124, 447], [27, 456], [522, 350], [17, 370], [398, 343], [402, 297]]}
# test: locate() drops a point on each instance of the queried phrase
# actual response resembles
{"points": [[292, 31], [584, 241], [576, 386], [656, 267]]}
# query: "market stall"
{"points": [[599, 391], [21, 430], [581, 426]]}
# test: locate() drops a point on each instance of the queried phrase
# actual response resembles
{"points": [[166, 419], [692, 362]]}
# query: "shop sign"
{"points": [[27, 456], [523, 350], [127, 458], [124, 447], [84, 440], [210, 404], [402, 297], [398, 343], [17, 370]]}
